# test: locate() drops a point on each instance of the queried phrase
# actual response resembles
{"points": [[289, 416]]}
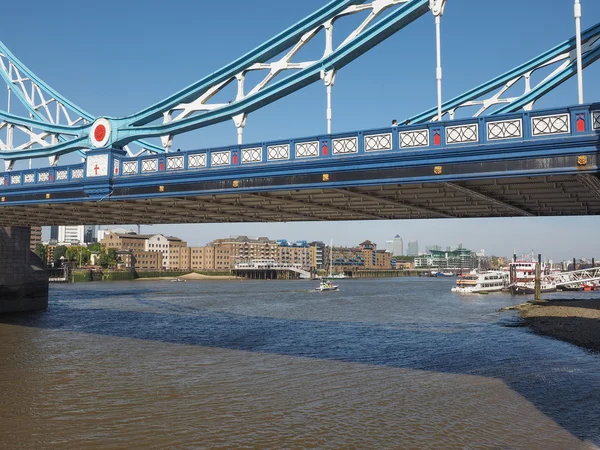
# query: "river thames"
{"points": [[383, 363]]}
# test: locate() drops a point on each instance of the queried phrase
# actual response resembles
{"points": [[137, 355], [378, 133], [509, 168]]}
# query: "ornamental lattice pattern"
{"points": [[378, 142], [344, 145], [596, 120], [62, 175], [43, 176], [557, 124], [220, 158], [130, 167], [149, 165], [307, 149], [251, 155], [505, 129], [416, 138], [276, 152], [461, 134], [15, 179], [195, 161], [76, 174], [29, 178], [175, 163]]}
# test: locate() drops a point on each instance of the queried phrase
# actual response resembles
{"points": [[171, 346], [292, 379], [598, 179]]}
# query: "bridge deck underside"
{"points": [[557, 195]]}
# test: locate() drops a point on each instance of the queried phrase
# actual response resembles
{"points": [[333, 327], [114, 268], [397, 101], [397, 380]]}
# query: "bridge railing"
{"points": [[489, 130]]}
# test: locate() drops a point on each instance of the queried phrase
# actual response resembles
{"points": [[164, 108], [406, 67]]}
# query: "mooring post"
{"points": [[538, 278]]}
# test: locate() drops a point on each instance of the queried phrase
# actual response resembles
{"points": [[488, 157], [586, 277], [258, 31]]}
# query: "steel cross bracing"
{"points": [[191, 108], [492, 93], [44, 106], [573, 278]]}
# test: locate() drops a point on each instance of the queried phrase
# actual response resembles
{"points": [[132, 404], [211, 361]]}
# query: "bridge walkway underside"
{"points": [[547, 195]]}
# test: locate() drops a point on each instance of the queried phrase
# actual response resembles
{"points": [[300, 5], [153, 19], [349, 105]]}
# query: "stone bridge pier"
{"points": [[23, 275]]}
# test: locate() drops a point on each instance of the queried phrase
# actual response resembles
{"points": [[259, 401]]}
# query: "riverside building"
{"points": [[459, 259]]}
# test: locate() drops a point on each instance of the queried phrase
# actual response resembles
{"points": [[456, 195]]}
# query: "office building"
{"points": [[395, 246], [71, 234], [54, 233], [413, 248]]}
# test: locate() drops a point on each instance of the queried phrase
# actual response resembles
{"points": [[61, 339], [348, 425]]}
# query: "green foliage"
{"points": [[103, 259], [112, 256], [59, 251], [42, 251], [79, 254], [95, 247], [404, 258], [107, 258]]}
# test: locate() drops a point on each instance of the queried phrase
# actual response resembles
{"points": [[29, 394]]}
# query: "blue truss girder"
{"points": [[380, 31], [549, 84], [25, 71], [262, 53], [501, 80]]}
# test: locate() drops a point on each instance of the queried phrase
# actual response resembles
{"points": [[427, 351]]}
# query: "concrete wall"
{"points": [[23, 275]]}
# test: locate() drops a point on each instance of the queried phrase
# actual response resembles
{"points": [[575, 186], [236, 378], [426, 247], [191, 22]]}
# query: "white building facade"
{"points": [[71, 234]]}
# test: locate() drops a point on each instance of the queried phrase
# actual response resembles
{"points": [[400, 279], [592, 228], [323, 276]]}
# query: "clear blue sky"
{"points": [[116, 58]]}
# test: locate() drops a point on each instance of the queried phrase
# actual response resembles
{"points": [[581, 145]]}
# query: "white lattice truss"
{"points": [[279, 66], [42, 104], [574, 278], [497, 98]]}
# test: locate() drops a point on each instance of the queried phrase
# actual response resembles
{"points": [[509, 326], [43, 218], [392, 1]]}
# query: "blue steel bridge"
{"points": [[506, 158]]}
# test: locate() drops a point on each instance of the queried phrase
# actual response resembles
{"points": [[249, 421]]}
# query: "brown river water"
{"points": [[387, 363]]}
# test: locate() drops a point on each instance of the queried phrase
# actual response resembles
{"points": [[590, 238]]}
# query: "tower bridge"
{"points": [[509, 159]]}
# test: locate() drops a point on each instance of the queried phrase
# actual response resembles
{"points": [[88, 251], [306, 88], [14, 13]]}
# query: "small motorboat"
{"points": [[327, 285], [178, 280]]}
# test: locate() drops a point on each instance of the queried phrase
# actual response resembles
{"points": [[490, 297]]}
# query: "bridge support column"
{"points": [[23, 275]]}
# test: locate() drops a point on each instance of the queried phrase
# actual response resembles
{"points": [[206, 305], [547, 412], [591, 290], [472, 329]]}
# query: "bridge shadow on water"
{"points": [[570, 397]]}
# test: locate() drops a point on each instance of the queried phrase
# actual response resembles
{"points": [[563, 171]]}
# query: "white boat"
{"points": [[178, 280], [327, 285], [483, 282], [339, 276], [523, 278]]}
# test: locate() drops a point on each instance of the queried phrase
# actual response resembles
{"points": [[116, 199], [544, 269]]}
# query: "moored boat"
{"points": [[523, 278], [477, 282]]}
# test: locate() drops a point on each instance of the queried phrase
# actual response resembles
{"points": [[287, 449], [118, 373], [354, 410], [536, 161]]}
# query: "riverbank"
{"points": [[193, 276], [572, 320]]}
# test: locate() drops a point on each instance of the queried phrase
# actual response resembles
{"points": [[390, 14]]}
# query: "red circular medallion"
{"points": [[100, 132]]}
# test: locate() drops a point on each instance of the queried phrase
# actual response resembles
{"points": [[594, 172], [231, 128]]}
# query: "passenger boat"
{"points": [[483, 282], [522, 278]]}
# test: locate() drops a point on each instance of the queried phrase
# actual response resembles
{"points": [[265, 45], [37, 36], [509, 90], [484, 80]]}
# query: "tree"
{"points": [[59, 251], [112, 256], [95, 247], [81, 255], [42, 251], [103, 259]]}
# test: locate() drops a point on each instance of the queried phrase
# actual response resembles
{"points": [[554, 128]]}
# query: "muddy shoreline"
{"points": [[572, 320]]}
